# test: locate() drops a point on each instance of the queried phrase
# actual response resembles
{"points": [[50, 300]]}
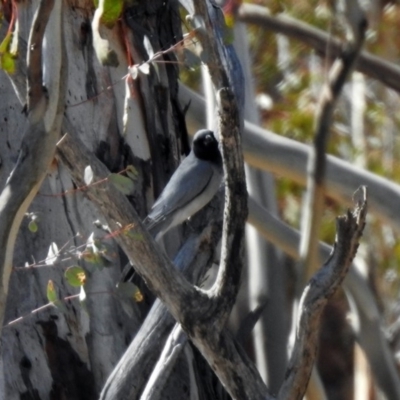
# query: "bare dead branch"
{"points": [[381, 70], [317, 293], [370, 335], [173, 347], [227, 283], [222, 62], [228, 360], [130, 374]]}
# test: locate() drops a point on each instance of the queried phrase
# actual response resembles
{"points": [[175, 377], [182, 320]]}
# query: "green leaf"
{"points": [[124, 184], [7, 62], [112, 10], [52, 297], [75, 276], [128, 289], [5, 44], [51, 292], [32, 226]]}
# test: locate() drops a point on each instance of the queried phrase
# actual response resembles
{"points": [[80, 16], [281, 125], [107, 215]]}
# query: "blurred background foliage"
{"points": [[292, 88]]}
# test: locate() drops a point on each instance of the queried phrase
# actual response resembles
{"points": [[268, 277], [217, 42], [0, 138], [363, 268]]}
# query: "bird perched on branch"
{"points": [[191, 187]]}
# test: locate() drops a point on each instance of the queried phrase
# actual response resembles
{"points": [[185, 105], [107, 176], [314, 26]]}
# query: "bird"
{"points": [[191, 187]]}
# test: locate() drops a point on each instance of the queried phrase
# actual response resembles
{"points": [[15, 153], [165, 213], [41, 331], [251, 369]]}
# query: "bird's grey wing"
{"points": [[185, 185]]}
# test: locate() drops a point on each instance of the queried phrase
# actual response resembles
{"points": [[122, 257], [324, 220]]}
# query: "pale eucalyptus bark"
{"points": [[38, 144], [89, 343]]}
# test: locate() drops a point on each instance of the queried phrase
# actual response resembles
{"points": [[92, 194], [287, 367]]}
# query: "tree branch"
{"points": [[381, 70], [370, 335], [315, 199], [315, 296], [227, 283], [187, 304], [172, 349], [130, 374]]}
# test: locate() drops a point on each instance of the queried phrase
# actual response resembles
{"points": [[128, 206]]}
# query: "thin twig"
{"points": [[317, 160]]}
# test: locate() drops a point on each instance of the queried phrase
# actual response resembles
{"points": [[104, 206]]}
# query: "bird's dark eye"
{"points": [[208, 139]]}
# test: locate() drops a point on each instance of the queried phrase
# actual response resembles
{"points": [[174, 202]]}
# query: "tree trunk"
{"points": [[68, 352]]}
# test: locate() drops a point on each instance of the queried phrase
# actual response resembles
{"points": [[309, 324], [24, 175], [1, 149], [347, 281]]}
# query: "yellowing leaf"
{"points": [[75, 276], [51, 292], [130, 290]]}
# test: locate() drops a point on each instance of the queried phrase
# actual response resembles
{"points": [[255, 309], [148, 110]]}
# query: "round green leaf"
{"points": [[32, 226], [75, 276]]}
